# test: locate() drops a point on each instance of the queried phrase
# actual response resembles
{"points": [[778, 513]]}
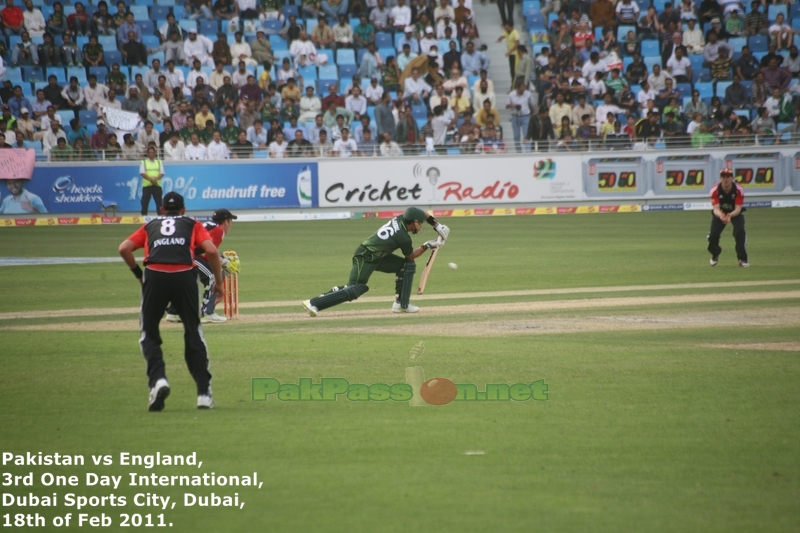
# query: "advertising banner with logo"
{"points": [[449, 181], [82, 188]]}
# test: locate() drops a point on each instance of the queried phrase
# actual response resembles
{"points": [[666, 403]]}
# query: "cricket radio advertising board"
{"points": [[82, 188], [449, 181]]}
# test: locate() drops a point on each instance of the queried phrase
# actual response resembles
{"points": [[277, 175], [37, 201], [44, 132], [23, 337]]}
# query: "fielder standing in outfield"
{"points": [[727, 204], [220, 225], [376, 254], [151, 170], [169, 242]]}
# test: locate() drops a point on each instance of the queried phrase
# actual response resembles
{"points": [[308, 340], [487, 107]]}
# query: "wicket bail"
{"points": [[231, 298]]}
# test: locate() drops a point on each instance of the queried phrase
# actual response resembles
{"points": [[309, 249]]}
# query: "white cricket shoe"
{"points": [[744, 264], [213, 317], [158, 394], [313, 311], [205, 401], [410, 309], [173, 318], [714, 260]]}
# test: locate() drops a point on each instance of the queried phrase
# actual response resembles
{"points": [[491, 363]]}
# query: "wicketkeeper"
{"points": [[220, 225], [376, 254]]}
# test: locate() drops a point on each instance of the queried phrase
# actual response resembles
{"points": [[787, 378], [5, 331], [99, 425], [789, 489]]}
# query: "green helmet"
{"points": [[414, 214]]}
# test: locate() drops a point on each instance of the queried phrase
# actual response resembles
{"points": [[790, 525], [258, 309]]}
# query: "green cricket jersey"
{"points": [[388, 238]]}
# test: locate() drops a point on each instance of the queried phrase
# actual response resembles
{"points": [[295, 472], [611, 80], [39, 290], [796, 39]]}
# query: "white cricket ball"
{"points": [[453, 266]]}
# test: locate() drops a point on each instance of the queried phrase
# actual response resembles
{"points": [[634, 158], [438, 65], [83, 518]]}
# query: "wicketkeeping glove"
{"points": [[442, 230], [233, 262]]}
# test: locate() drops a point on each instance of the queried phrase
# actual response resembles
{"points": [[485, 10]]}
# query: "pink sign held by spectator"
{"points": [[16, 164]]}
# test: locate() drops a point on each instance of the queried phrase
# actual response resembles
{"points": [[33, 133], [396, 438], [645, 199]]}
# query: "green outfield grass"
{"points": [[679, 416]]}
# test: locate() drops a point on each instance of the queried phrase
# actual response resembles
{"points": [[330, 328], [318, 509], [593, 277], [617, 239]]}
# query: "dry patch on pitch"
{"points": [[491, 319], [769, 346]]}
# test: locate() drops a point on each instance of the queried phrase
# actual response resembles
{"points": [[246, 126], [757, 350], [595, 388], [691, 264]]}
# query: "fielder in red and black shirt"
{"points": [[169, 243], [727, 204]]}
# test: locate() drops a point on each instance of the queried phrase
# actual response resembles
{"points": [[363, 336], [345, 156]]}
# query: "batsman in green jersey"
{"points": [[376, 254]]}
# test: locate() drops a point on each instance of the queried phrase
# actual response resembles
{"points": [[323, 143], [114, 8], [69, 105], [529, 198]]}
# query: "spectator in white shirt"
{"points": [[198, 47], [33, 20], [174, 149], [644, 95], [310, 107], [277, 148], [389, 148], [344, 146], [216, 148], [95, 93], [416, 89], [374, 92], [239, 78], [679, 66], [400, 15], [257, 135], [196, 151], [693, 38], [157, 108], [241, 51]]}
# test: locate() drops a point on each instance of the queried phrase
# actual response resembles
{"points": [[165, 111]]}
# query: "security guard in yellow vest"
{"points": [[151, 170]]}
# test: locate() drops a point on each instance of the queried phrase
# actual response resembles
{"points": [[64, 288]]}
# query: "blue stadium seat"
{"points": [[178, 10], [360, 55], [143, 2], [346, 72], [33, 74], [112, 56], [100, 72], [622, 31], [278, 42], [758, 43], [387, 52], [684, 88], [109, 42], [151, 41], [170, 3], [705, 88], [66, 115], [774, 9], [322, 85], [383, 40], [289, 10], [159, 12], [530, 7], [535, 21], [187, 24], [147, 27], [796, 23], [345, 56], [58, 72], [157, 55], [327, 53], [140, 12], [39, 85], [697, 62], [78, 72], [720, 88], [209, 27], [650, 48], [737, 43], [626, 62], [659, 5], [794, 11], [309, 73], [643, 6], [271, 27], [649, 61], [419, 112], [88, 116], [701, 76]]}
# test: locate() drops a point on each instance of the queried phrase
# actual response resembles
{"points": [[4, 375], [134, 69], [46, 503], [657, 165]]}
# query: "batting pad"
{"points": [[346, 294], [408, 280]]}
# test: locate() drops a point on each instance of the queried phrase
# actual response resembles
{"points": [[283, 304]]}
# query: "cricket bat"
{"points": [[423, 280]]}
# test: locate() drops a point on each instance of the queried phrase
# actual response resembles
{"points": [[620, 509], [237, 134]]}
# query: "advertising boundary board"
{"points": [[373, 184], [442, 213], [83, 188]]}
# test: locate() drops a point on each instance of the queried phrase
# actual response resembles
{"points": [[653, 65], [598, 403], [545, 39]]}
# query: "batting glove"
{"points": [[432, 244], [442, 230]]}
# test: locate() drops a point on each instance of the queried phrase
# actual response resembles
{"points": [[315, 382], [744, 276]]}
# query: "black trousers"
{"points": [[506, 8], [180, 288], [739, 235], [153, 191], [206, 277], [512, 64]]}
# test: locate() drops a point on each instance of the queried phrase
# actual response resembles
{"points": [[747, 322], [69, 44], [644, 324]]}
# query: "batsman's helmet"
{"points": [[414, 214]]}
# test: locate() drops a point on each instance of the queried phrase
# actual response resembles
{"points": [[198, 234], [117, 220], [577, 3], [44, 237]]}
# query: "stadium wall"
{"points": [[358, 184]]}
